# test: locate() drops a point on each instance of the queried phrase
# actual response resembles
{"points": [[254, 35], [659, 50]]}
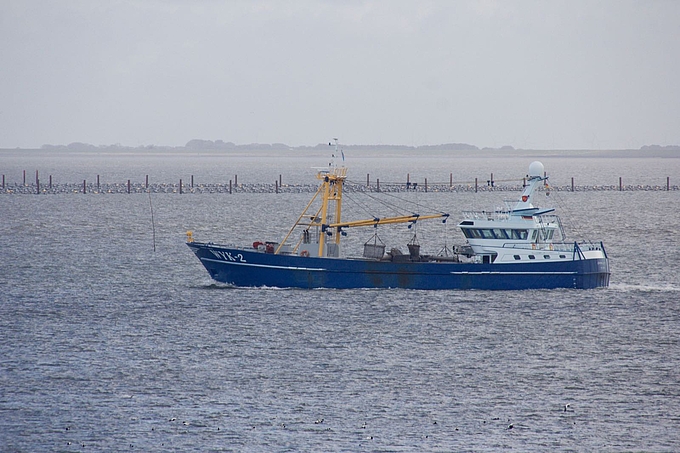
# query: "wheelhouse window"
{"points": [[532, 257], [520, 234], [517, 257], [500, 234], [478, 233], [495, 233], [472, 233]]}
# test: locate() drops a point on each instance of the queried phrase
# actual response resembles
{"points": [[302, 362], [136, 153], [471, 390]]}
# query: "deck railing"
{"points": [[569, 247]]}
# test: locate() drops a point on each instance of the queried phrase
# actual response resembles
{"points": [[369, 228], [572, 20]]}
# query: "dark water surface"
{"points": [[106, 345]]}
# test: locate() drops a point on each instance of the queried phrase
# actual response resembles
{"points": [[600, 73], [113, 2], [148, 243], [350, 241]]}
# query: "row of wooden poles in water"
{"points": [[278, 184]]}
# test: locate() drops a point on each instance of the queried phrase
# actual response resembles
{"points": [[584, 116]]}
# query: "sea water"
{"points": [[109, 345]]}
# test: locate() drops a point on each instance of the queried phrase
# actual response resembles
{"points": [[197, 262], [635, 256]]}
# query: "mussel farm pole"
{"points": [[280, 181], [128, 186], [180, 187], [668, 182], [50, 181], [192, 181], [620, 183], [37, 182], [24, 177], [425, 185], [377, 181], [236, 180], [475, 185], [230, 186], [84, 186], [3, 181], [368, 179], [147, 181], [572, 183], [276, 186], [450, 179]]}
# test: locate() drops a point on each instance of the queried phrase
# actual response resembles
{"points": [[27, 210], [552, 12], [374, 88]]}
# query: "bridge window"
{"points": [[500, 234], [495, 233], [546, 257], [520, 234], [517, 257], [532, 257], [487, 234], [471, 233]]}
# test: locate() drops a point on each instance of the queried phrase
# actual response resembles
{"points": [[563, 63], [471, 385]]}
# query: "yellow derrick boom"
{"points": [[386, 220]]}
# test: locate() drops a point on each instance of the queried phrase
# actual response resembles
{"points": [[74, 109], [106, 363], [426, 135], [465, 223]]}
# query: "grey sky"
{"points": [[532, 74]]}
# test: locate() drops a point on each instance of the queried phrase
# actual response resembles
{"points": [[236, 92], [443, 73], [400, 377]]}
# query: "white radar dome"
{"points": [[536, 169]]}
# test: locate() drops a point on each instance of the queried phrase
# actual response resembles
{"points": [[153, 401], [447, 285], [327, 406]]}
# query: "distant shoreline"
{"points": [[218, 147]]}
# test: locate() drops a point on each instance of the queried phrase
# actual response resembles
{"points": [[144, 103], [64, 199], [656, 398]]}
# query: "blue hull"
{"points": [[240, 267]]}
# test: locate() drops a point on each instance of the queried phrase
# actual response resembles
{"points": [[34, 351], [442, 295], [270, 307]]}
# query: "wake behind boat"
{"points": [[519, 247]]}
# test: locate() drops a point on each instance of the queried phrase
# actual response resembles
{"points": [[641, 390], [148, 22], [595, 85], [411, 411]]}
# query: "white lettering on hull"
{"points": [[227, 256]]}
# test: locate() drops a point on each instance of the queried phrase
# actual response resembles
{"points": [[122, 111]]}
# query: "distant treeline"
{"points": [[220, 145], [660, 148]]}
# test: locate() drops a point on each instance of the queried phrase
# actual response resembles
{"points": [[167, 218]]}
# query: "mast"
{"points": [[328, 217], [333, 180], [535, 177]]}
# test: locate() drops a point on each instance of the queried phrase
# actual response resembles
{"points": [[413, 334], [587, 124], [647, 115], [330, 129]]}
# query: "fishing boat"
{"points": [[517, 247]]}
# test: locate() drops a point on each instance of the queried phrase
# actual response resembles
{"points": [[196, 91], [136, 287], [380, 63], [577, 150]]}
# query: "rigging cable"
{"points": [[578, 230], [403, 200]]}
